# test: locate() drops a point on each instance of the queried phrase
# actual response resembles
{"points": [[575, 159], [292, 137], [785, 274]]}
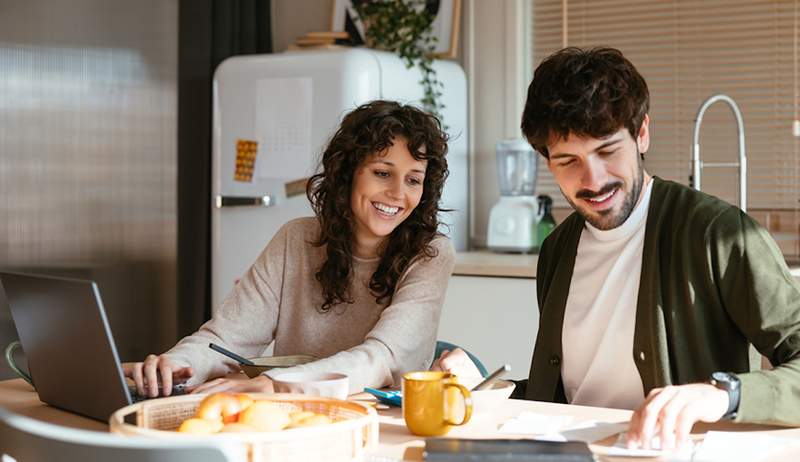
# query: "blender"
{"points": [[513, 220]]}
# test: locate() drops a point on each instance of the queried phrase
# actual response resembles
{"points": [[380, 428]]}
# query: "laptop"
{"points": [[71, 353]]}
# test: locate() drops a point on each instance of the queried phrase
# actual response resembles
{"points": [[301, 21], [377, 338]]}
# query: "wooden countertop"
{"points": [[491, 264]]}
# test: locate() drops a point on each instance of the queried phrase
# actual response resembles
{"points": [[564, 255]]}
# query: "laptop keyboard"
{"points": [[177, 390]]}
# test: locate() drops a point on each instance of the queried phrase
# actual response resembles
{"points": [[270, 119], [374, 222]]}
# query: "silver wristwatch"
{"points": [[730, 383]]}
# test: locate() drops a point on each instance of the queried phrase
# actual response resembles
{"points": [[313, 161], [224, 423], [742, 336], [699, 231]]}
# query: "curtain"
{"points": [[209, 32]]}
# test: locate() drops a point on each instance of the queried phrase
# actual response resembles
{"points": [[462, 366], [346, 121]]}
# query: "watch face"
{"points": [[725, 378], [721, 376]]}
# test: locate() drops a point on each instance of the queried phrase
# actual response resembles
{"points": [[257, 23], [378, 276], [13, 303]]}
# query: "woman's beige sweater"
{"points": [[278, 298]]}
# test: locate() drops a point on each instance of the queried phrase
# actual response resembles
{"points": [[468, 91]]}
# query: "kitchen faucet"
{"points": [[697, 165]]}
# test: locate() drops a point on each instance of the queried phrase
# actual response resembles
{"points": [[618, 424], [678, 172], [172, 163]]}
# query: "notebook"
{"points": [[71, 354], [508, 450]]}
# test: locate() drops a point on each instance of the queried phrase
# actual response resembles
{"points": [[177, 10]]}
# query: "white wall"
{"points": [[496, 319], [496, 59], [293, 18]]}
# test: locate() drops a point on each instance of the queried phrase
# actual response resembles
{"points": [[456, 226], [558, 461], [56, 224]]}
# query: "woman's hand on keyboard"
{"points": [[156, 372]]}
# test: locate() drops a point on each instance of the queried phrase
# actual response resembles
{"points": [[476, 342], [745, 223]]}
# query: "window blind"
{"points": [[688, 51]]}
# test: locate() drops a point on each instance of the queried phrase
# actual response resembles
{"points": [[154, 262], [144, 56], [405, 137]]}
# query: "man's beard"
{"points": [[605, 219]]}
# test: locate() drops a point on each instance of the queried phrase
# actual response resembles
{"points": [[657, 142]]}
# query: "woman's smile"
{"points": [[385, 210]]}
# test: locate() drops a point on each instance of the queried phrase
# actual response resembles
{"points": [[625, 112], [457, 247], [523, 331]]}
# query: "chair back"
{"points": [[29, 440]]}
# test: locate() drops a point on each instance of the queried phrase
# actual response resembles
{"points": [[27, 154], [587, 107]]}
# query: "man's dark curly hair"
{"points": [[584, 92], [371, 129]]}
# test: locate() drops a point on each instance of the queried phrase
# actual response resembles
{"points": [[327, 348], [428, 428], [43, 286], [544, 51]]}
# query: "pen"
{"points": [[492, 378], [231, 355]]}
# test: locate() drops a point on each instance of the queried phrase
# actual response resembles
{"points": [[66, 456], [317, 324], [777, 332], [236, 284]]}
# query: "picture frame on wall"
{"points": [[445, 24]]}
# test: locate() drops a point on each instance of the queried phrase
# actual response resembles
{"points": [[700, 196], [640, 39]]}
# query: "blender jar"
{"points": [[516, 167]]}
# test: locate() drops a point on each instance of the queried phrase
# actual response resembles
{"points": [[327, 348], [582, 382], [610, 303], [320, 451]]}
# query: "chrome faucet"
{"points": [[697, 165]]}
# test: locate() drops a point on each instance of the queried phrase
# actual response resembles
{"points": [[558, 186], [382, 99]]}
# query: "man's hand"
{"points": [[670, 413], [260, 384]]}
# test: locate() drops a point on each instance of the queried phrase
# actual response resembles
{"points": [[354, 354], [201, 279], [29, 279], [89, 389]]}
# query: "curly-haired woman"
{"points": [[361, 285]]}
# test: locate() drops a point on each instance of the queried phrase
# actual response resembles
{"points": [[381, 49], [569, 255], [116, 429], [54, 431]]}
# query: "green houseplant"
{"points": [[404, 27]]}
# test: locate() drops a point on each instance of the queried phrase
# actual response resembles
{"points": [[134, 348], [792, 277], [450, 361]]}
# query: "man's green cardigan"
{"points": [[713, 282]]}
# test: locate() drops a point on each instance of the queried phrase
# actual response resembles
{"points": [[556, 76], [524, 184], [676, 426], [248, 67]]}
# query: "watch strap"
{"points": [[732, 385]]}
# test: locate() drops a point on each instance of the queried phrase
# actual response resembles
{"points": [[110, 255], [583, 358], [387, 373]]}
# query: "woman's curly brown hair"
{"points": [[371, 129]]}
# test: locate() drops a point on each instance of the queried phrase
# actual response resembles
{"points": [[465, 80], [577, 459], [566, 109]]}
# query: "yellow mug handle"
{"points": [[13, 365], [467, 403]]}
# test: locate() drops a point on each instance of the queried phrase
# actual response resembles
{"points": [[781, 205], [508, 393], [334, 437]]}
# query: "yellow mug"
{"points": [[429, 401]]}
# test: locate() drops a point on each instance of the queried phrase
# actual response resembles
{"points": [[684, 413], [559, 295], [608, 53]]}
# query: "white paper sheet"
{"points": [[558, 428], [588, 432], [750, 446], [283, 128], [716, 446], [679, 455], [620, 449], [531, 423]]}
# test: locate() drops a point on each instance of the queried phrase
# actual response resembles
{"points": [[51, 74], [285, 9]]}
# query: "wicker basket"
{"points": [[354, 430]]}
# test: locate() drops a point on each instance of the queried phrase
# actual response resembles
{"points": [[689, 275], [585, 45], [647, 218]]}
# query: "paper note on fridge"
{"points": [[283, 128]]}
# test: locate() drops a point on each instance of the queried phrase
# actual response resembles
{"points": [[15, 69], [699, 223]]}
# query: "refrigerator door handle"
{"points": [[239, 201]]}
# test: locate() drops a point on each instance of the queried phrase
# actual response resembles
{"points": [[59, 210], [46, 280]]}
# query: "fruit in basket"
{"points": [[353, 431], [316, 419], [298, 416], [236, 413], [197, 426], [244, 400], [265, 416], [222, 407], [237, 427]]}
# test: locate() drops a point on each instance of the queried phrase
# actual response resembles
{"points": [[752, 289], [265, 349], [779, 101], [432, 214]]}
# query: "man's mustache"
{"points": [[588, 193]]}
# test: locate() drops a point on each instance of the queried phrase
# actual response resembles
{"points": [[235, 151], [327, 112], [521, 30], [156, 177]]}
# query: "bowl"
{"points": [[266, 363], [326, 384], [488, 400]]}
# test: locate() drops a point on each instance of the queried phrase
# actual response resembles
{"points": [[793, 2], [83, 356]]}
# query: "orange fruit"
{"points": [[244, 400], [265, 416], [223, 407], [299, 416], [197, 426], [316, 419], [237, 427]]}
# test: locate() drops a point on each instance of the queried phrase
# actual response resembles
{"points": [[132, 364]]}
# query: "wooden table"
{"points": [[395, 440]]}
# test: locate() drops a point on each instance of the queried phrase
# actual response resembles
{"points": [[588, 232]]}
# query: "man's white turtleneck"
{"points": [[598, 366]]}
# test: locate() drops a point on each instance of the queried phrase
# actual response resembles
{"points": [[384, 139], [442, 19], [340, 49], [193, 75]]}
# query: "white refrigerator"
{"points": [[273, 115]]}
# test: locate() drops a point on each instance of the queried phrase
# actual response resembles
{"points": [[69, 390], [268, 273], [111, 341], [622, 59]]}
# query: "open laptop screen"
{"points": [[68, 343]]}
